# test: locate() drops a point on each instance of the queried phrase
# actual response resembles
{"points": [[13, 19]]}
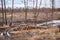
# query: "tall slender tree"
{"points": [[39, 7], [33, 6], [38, 10], [46, 13], [12, 12], [33, 9], [2, 12], [5, 12], [35, 12], [52, 2], [25, 10]]}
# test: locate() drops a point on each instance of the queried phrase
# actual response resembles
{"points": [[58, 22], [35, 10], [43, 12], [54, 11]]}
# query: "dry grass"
{"points": [[33, 32], [51, 33], [30, 16]]}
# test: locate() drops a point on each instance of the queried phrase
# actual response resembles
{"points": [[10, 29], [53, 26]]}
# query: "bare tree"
{"points": [[35, 12], [39, 7], [46, 12], [2, 12], [38, 10], [25, 10], [5, 14], [52, 2], [12, 12], [52, 8]]}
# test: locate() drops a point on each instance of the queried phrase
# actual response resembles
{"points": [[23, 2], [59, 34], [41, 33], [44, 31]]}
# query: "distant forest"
{"points": [[31, 10]]}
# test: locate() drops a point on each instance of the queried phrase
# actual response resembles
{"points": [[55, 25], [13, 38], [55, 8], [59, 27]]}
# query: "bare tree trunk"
{"points": [[39, 7], [52, 10], [26, 8], [5, 12], [46, 13], [38, 11], [12, 12], [35, 12], [2, 12]]}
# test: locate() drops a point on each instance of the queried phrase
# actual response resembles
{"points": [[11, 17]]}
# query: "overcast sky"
{"points": [[20, 3]]}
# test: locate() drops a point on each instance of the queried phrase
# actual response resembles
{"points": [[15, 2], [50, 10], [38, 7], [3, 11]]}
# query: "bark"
{"points": [[2, 12]]}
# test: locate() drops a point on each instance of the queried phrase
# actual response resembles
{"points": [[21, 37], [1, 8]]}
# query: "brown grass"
{"points": [[51, 33], [20, 16]]}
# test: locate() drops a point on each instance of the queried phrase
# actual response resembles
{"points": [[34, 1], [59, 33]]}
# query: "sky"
{"points": [[20, 3]]}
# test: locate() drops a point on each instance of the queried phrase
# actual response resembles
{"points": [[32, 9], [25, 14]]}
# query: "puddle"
{"points": [[50, 23]]}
